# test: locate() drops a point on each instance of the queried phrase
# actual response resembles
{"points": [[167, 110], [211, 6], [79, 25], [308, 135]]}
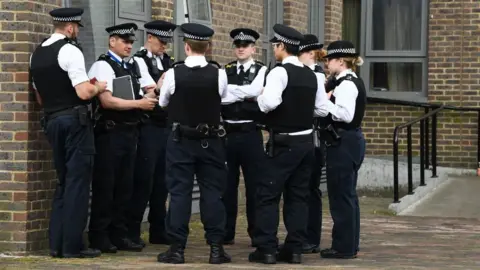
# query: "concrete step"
{"points": [[458, 197]]}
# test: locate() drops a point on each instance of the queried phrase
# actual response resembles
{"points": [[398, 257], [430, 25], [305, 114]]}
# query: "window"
{"points": [[272, 14], [316, 19], [392, 37], [136, 11], [197, 11]]}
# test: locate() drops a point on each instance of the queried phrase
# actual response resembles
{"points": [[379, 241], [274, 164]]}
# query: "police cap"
{"points": [[286, 34], [161, 29], [196, 31], [244, 36], [310, 43], [125, 31], [67, 15]]}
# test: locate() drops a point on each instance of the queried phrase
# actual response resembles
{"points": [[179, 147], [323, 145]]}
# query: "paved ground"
{"points": [[387, 242], [457, 198]]}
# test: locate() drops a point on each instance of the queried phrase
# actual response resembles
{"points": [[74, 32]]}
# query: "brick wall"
{"points": [[333, 20], [296, 14], [454, 76], [162, 10], [26, 172], [230, 14]]}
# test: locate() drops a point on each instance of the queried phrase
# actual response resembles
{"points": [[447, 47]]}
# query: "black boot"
{"points": [[173, 255], [261, 257], [288, 256], [218, 255]]}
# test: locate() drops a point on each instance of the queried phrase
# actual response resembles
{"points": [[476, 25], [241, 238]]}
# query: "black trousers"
{"points": [[343, 162], [73, 153], [314, 227], [112, 184], [149, 181], [187, 158], [288, 172], [245, 150]]}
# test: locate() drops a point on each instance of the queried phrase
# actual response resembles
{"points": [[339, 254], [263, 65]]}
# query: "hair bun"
{"points": [[359, 61]]}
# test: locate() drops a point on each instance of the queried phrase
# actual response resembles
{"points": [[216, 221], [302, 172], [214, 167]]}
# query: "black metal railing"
{"points": [[431, 112]]}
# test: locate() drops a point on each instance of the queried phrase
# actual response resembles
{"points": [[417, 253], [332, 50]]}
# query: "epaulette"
{"points": [[73, 42], [168, 56], [215, 64], [104, 57], [178, 63], [259, 63], [141, 53], [231, 64]]}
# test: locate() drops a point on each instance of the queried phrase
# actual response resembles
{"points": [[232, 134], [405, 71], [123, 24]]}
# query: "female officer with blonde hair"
{"points": [[346, 148]]}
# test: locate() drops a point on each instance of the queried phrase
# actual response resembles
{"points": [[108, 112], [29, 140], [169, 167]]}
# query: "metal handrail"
{"points": [[409, 125], [424, 139]]}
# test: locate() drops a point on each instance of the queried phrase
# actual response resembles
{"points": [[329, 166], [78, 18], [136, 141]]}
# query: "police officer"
{"points": [[193, 92], [244, 140], [116, 134], [346, 149], [290, 98], [57, 73], [309, 54], [149, 177]]}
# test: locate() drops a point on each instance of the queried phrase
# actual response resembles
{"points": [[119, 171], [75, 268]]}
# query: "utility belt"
{"points": [[240, 127], [107, 125], [201, 131], [333, 135], [84, 113], [276, 139]]}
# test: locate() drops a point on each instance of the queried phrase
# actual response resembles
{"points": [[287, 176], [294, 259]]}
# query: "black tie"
{"points": [[242, 73]]}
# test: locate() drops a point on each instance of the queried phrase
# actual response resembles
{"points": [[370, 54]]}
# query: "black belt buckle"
{"points": [[109, 124], [204, 129]]}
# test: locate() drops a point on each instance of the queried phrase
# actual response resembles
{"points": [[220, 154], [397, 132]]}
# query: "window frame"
{"points": [[204, 22], [125, 17], [412, 53], [404, 95], [181, 16], [133, 16], [316, 19], [392, 56], [272, 14]]}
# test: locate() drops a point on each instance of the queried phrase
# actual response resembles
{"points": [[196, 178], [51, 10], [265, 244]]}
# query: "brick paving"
{"points": [[387, 242]]}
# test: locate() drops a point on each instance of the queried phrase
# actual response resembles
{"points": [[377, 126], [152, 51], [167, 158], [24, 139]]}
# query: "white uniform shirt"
{"points": [[277, 81], [168, 87], [236, 93], [147, 80], [343, 110], [70, 59]]}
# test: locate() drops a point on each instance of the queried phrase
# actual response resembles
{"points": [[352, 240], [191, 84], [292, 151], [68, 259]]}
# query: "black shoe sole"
{"points": [[131, 249], [266, 260], [219, 260], [171, 261]]}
